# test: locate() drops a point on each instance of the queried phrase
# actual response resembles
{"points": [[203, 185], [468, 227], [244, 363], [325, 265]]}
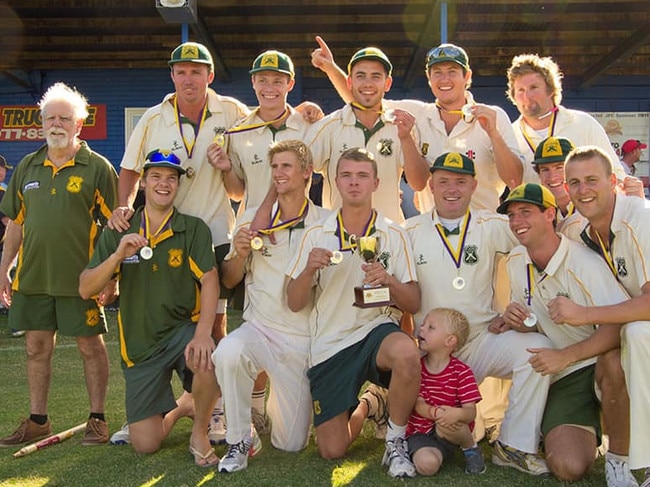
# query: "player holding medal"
{"points": [[455, 250]]}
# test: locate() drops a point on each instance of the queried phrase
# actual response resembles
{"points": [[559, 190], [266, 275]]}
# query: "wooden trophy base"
{"points": [[372, 297]]}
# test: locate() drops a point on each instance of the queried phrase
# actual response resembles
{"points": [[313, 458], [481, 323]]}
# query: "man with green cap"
{"points": [[456, 250], [547, 265], [165, 257], [367, 122]]}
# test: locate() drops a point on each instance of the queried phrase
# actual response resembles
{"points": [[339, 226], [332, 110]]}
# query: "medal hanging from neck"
{"points": [[551, 127], [189, 144], [605, 252], [277, 224], [465, 111], [389, 113], [348, 242], [531, 319], [458, 283], [245, 128], [163, 231]]}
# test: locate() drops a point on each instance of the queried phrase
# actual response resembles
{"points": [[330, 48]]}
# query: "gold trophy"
{"points": [[367, 296]]}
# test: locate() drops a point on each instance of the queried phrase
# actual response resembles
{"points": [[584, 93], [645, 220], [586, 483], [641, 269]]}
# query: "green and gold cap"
{"points": [[273, 61], [372, 54], [533, 193], [191, 52], [447, 53], [454, 162], [552, 149]]}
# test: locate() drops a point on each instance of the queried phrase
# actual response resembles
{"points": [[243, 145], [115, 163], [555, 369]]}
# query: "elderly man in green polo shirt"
{"points": [[169, 288]]}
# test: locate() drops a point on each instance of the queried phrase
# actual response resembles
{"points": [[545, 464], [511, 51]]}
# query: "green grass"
{"points": [[70, 464]]}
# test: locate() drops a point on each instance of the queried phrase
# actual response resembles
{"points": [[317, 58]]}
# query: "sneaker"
{"points": [[96, 433], [236, 458], [492, 433], [376, 398], [474, 463], [618, 474], [27, 432], [17, 333], [396, 457], [260, 421], [506, 456], [121, 437], [217, 427]]}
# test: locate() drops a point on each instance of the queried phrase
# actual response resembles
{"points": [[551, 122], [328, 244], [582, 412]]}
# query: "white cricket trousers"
{"points": [[240, 357]]}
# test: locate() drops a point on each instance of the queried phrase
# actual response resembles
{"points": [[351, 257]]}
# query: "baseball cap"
{"points": [[273, 61], [454, 162], [552, 149], [632, 144], [3, 163], [529, 193], [447, 53], [191, 52], [163, 158], [373, 54]]}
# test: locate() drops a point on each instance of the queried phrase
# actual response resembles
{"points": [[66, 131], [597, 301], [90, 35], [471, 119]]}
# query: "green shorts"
{"points": [[335, 383], [572, 400], [148, 384], [68, 315]]}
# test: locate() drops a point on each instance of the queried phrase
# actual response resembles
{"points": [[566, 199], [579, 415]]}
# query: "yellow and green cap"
{"points": [[372, 54], [273, 61], [163, 158], [533, 193], [454, 162], [191, 52], [447, 53], [552, 149]]}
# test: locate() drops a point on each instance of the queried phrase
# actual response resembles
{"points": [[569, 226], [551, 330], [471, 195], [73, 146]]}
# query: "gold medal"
{"points": [[458, 283], [146, 252], [337, 257], [257, 243], [190, 172], [530, 321], [220, 140]]}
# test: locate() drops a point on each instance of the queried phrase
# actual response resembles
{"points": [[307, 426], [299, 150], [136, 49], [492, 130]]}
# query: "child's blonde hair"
{"points": [[457, 324]]}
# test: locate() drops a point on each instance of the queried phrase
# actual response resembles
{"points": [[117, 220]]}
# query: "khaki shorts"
{"points": [[335, 383], [148, 384], [68, 315]]}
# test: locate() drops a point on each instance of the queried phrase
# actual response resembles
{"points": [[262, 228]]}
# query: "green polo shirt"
{"points": [[159, 295], [59, 210]]}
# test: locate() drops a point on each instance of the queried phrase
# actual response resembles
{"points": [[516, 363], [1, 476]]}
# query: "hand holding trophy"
{"points": [[368, 296]]}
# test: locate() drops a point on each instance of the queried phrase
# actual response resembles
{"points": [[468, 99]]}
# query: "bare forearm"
{"points": [[13, 239], [606, 337], [416, 168], [509, 166], [208, 302], [234, 186], [634, 309], [405, 295], [299, 291], [127, 187], [92, 281], [232, 271]]}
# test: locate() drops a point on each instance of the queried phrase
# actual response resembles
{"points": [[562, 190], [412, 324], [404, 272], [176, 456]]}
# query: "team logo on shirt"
{"points": [[421, 260], [74, 184], [621, 268], [382, 258], [31, 185], [92, 317], [470, 255], [385, 147], [176, 145], [256, 160], [175, 257], [424, 150], [317, 410]]}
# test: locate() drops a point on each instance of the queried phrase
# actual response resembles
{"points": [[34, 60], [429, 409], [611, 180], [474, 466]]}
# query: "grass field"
{"points": [[70, 464]]}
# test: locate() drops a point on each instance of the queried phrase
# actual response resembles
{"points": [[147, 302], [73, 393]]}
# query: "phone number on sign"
{"points": [[22, 134]]}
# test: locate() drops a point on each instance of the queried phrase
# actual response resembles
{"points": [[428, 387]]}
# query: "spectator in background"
{"points": [[631, 154]]}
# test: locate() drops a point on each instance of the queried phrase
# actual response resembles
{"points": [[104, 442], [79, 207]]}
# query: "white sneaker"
{"points": [[121, 437], [397, 458], [217, 427], [618, 474], [236, 458]]}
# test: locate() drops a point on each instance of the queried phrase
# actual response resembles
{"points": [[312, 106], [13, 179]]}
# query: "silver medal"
{"points": [[146, 252], [389, 115], [458, 283], [337, 257], [530, 321], [466, 111]]}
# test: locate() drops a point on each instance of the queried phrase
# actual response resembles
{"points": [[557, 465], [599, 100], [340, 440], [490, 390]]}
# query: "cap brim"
{"points": [[164, 164]]}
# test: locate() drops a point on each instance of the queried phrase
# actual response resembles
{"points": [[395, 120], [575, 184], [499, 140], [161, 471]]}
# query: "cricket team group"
{"points": [[527, 270]]}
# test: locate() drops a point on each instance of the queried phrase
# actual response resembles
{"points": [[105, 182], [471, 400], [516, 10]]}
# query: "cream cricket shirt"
{"points": [[339, 131], [574, 272], [266, 299], [201, 192], [334, 323], [487, 235], [248, 152]]}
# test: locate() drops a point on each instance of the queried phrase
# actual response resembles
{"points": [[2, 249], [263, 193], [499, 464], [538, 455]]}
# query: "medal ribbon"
{"points": [[344, 237], [530, 281], [278, 224], [164, 230], [189, 145], [245, 128], [455, 254], [469, 100], [551, 128], [606, 254]]}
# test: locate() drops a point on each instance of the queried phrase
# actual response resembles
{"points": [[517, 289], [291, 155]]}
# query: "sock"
{"points": [[38, 418], [218, 406], [393, 431], [615, 456], [258, 401], [99, 416], [470, 448]]}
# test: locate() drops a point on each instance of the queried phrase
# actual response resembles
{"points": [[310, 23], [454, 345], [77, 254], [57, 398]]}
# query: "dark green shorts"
{"points": [[572, 400], [67, 315], [335, 383], [148, 384]]}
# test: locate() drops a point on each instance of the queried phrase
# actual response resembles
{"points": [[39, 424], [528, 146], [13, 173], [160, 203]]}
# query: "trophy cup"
{"points": [[367, 296]]}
